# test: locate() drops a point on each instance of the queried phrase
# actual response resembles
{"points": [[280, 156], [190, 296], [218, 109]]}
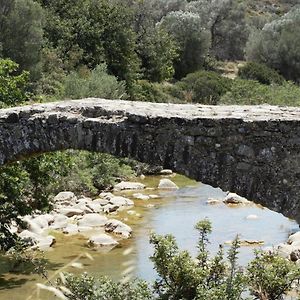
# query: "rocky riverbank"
{"points": [[91, 218]]}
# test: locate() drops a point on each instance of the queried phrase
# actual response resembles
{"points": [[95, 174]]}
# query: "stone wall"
{"points": [[251, 150]]}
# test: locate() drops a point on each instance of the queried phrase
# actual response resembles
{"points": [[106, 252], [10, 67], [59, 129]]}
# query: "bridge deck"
{"points": [[147, 109]]}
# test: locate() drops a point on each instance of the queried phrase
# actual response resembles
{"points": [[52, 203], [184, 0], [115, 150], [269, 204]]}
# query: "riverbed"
{"points": [[174, 212]]}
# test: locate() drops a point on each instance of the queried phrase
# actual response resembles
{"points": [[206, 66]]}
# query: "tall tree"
{"points": [[278, 44], [22, 33], [192, 39]]}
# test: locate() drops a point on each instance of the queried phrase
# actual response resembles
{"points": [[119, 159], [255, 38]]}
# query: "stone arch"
{"points": [[253, 151]]}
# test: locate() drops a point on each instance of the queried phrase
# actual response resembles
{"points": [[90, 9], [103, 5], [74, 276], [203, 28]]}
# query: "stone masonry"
{"points": [[251, 150]]}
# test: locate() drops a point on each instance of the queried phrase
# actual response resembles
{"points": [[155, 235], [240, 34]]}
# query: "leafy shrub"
{"points": [[144, 90], [13, 88], [97, 83], [251, 92], [260, 72], [87, 287], [204, 87], [270, 276]]}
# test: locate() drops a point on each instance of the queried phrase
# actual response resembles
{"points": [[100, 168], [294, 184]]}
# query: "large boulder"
{"points": [[45, 242], [110, 208], [71, 211], [84, 207], [95, 206], [92, 220], [102, 240], [60, 221], [127, 185], [118, 228], [285, 250], [167, 184], [294, 238], [233, 198], [101, 201], [65, 198], [71, 229], [40, 241]]}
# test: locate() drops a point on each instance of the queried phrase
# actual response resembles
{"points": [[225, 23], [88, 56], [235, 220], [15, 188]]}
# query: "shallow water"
{"points": [[174, 212]]}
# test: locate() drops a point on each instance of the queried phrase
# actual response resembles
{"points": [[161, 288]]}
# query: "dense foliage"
{"points": [[13, 86], [64, 45], [278, 44]]}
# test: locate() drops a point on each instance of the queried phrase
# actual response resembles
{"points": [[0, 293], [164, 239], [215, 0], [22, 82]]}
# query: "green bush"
{"points": [[261, 73], [13, 87], [251, 92], [144, 90], [204, 87], [97, 83]]}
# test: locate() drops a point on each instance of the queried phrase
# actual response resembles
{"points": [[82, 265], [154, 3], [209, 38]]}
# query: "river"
{"points": [[175, 212]]}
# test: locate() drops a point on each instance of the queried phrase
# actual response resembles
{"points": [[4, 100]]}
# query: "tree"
{"points": [[192, 39], [87, 32], [22, 34], [226, 22], [13, 87], [277, 45]]}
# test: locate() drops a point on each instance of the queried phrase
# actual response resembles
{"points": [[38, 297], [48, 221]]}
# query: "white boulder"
{"points": [[233, 198], [127, 185], [118, 228], [70, 211], [65, 198], [166, 172], [71, 229], [140, 196], [92, 220], [294, 238], [121, 201], [102, 240], [167, 184]]}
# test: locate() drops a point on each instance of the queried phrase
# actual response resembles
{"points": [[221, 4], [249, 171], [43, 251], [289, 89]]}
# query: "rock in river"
{"points": [[233, 198], [65, 198], [92, 220], [121, 201], [102, 240], [127, 185], [167, 184], [118, 227]]}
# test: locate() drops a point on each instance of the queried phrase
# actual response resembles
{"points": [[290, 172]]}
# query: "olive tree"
{"points": [[192, 39], [277, 45], [226, 22]]}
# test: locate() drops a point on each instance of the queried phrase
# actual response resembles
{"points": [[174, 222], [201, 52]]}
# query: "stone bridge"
{"points": [[251, 150]]}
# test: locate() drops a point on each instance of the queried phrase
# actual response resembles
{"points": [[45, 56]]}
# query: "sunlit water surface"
{"points": [[175, 212]]}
